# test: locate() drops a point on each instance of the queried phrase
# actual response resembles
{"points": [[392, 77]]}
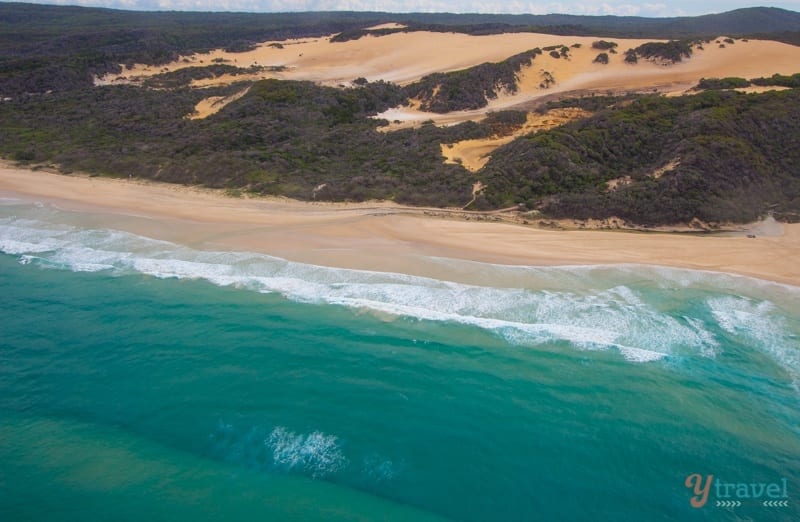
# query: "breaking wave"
{"points": [[633, 310]]}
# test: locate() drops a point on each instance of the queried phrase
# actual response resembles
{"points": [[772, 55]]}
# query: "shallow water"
{"points": [[141, 378]]}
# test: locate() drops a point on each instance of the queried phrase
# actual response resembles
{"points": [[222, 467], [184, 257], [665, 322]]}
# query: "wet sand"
{"points": [[384, 236]]}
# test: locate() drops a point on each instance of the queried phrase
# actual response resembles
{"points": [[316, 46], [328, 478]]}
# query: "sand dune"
{"points": [[401, 57], [406, 57], [750, 59]]}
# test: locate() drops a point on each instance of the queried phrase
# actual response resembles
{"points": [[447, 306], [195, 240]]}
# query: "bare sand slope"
{"points": [[749, 59], [406, 57], [474, 154], [213, 104], [384, 236], [400, 57], [579, 73]]}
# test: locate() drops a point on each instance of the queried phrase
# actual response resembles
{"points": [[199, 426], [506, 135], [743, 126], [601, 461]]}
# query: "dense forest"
{"points": [[776, 80], [284, 137], [469, 88], [734, 156], [716, 156]]}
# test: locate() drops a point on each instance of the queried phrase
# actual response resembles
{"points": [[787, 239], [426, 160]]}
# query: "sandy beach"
{"points": [[384, 236]]}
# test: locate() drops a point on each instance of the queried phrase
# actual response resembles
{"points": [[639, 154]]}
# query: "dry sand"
{"points": [[385, 236], [474, 154], [751, 59], [406, 57], [213, 104]]}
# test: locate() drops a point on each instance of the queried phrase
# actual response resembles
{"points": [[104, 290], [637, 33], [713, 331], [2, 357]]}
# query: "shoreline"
{"points": [[384, 236]]}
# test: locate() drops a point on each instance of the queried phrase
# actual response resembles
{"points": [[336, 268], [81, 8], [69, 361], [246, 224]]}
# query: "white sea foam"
{"points": [[757, 324], [590, 308], [705, 340], [640, 355], [316, 453]]}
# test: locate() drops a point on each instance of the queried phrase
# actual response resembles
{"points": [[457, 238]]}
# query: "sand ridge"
{"points": [[405, 57], [579, 73]]}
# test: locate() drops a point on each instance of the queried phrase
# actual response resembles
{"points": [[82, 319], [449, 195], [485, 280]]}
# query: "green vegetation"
{"points": [[469, 88], [736, 157], [183, 77], [603, 45], [55, 48], [731, 157], [778, 80], [547, 80], [356, 34], [593, 102], [601, 58], [559, 51], [722, 83], [502, 123], [283, 137], [673, 51], [787, 37]]}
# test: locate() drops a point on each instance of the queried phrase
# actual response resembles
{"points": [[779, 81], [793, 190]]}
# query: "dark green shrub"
{"points": [[603, 45], [722, 83]]}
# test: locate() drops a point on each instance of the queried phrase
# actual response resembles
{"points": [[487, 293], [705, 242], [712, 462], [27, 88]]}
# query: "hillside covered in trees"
{"points": [[717, 156]]}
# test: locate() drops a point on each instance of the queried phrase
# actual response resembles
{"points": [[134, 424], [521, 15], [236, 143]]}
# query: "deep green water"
{"points": [[141, 380]]}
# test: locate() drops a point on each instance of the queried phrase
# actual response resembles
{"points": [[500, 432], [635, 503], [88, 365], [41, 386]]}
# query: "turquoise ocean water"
{"points": [[144, 380]]}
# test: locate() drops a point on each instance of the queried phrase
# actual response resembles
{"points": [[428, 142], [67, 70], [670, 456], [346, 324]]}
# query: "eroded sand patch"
{"points": [[474, 154], [213, 104]]}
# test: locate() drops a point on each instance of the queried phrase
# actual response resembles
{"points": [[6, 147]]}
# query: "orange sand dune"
{"points": [[750, 59], [406, 57]]}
